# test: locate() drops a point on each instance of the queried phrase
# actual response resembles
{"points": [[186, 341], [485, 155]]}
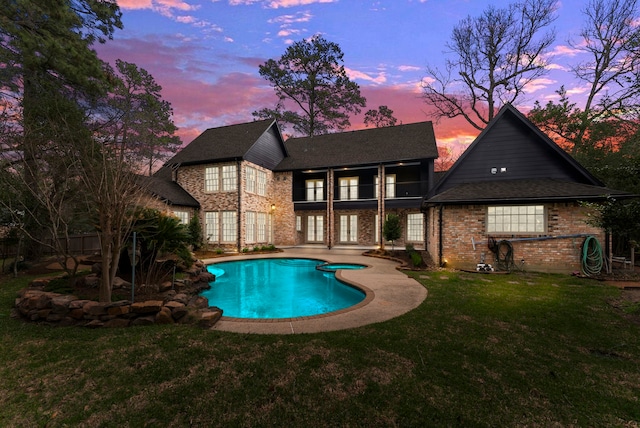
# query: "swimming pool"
{"points": [[278, 288]]}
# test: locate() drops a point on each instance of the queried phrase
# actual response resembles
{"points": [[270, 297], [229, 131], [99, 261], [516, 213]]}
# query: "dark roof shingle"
{"points": [[223, 143], [520, 191], [369, 146], [169, 191]]}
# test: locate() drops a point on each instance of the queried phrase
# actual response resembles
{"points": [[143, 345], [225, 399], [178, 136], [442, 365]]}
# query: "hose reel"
{"points": [[503, 250]]}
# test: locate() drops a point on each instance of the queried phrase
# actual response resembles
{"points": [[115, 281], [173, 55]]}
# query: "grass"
{"points": [[482, 350]]}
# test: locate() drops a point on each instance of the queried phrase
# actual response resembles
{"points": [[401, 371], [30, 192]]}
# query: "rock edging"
{"points": [[36, 305]]}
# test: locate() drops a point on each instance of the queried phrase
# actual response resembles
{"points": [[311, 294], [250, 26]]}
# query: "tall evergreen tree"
{"points": [[315, 95]]}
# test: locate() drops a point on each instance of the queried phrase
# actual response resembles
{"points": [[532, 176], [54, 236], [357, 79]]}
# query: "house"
{"points": [[250, 187], [513, 186]]}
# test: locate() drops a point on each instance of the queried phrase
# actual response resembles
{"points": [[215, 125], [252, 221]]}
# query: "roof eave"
{"points": [[505, 201]]}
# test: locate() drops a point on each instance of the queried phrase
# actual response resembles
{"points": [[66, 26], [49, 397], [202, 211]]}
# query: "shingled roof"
{"points": [[169, 192], [523, 191], [213, 145], [365, 147], [223, 143]]}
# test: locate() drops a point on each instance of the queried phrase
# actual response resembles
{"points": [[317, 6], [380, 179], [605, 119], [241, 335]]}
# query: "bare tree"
{"points": [[446, 158], [495, 56], [611, 39], [112, 194]]}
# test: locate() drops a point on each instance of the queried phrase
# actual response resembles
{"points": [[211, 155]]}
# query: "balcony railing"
{"points": [[403, 189]]}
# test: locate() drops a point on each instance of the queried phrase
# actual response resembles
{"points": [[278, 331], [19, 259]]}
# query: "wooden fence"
{"points": [[78, 245]]}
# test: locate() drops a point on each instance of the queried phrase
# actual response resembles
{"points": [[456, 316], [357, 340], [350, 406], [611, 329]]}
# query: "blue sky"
{"points": [[205, 53]]}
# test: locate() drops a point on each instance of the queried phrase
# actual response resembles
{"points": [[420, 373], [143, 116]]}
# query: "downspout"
{"points": [[239, 210], [440, 235]]}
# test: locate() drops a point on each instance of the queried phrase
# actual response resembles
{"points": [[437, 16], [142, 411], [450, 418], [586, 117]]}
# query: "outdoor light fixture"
{"points": [[273, 207]]}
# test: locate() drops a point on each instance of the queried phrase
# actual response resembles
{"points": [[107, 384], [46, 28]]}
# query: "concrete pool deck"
{"points": [[390, 293]]}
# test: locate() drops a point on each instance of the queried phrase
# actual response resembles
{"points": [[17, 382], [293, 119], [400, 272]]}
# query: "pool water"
{"points": [[277, 288]]}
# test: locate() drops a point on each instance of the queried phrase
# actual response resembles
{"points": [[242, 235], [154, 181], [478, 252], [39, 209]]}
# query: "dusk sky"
{"points": [[205, 53]]}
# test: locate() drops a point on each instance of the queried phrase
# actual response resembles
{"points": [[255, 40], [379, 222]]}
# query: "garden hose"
{"points": [[504, 255], [592, 260]]}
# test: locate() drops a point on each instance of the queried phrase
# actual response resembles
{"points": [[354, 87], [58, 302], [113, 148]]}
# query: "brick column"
{"points": [[330, 220], [382, 189]]}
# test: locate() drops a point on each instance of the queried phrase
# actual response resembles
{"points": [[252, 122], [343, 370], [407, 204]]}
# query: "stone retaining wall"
{"points": [[184, 307]]}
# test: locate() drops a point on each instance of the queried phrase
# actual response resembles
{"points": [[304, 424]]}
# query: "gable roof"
{"points": [[512, 160], [224, 143], [249, 140], [369, 146]]}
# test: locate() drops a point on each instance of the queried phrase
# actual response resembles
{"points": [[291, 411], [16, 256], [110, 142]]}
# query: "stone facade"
{"points": [[465, 240]]}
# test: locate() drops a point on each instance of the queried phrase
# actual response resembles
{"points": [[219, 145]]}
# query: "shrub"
{"points": [[59, 285], [195, 232], [256, 248], [416, 258]]}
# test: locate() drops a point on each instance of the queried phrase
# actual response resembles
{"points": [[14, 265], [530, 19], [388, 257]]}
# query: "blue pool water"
{"points": [[277, 288]]}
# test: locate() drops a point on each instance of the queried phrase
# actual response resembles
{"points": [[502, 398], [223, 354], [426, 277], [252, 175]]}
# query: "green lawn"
{"points": [[482, 350]]}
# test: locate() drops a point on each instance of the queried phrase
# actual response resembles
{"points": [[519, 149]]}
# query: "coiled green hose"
{"points": [[592, 260]]}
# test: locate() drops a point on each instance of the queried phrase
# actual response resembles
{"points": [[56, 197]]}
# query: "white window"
{"points": [[516, 219], [229, 178], [315, 190], [262, 227], [250, 179], [349, 228], [212, 179], [390, 186], [315, 228], [213, 175], [298, 223], [349, 188], [229, 226], [183, 216], [415, 227], [212, 226], [261, 183], [250, 227]]}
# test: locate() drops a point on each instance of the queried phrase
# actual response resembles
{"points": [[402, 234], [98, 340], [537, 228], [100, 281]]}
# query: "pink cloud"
{"points": [[291, 19], [156, 5], [408, 68], [359, 75], [134, 4], [276, 4], [199, 104], [539, 84]]}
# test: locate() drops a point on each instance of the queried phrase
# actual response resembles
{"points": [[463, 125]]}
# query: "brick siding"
{"points": [[464, 226]]}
